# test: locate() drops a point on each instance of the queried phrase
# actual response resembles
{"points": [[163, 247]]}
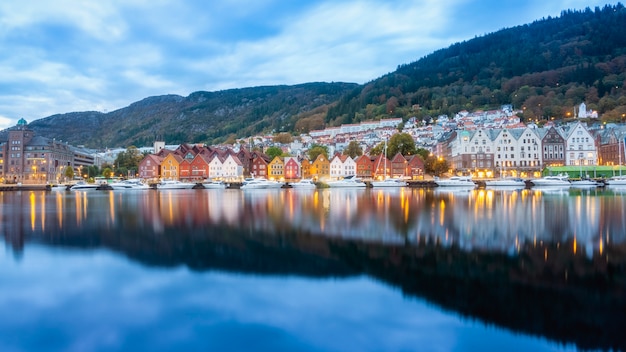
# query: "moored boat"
{"points": [[130, 184], [304, 183], [506, 182], [209, 184], [175, 184], [455, 181], [389, 182], [84, 186], [261, 183], [346, 182], [616, 181], [560, 180]]}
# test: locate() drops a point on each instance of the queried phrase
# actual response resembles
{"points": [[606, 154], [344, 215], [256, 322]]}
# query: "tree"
{"points": [[353, 149], [401, 143], [273, 152], [283, 138], [316, 150], [378, 149], [107, 173], [436, 166], [69, 172], [129, 159]]}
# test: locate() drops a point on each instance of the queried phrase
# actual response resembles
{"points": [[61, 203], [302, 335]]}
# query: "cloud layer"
{"points": [[62, 56]]}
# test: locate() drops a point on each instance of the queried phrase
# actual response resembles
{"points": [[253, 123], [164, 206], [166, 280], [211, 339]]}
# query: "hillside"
{"points": [[210, 117], [545, 68]]}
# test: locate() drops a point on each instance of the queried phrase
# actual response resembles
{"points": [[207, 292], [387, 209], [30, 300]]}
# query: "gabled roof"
{"points": [[398, 158]]}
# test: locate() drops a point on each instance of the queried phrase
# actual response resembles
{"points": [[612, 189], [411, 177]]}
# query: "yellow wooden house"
{"points": [[276, 169], [170, 167], [320, 168]]}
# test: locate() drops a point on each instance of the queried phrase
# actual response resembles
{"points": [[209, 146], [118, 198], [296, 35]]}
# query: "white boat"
{"points": [[560, 180], [208, 184], [130, 184], [175, 184], [389, 182], [304, 183], [455, 181], [84, 186], [59, 188], [346, 182], [585, 183], [260, 183], [616, 181], [506, 182]]}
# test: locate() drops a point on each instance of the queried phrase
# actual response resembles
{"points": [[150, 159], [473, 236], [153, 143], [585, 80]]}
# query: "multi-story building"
{"points": [[27, 158]]}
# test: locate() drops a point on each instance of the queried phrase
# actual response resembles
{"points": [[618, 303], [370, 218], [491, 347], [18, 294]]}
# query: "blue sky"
{"points": [[62, 56]]}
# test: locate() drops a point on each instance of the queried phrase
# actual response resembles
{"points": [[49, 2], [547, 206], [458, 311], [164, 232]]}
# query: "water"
{"points": [[323, 270]]}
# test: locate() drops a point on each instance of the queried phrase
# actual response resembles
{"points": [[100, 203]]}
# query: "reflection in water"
{"points": [[511, 257], [495, 220]]}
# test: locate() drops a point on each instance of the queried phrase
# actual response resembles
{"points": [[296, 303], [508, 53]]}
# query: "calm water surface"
{"points": [[322, 270]]}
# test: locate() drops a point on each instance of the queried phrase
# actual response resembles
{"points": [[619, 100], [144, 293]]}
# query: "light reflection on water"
{"points": [[392, 235], [499, 220]]}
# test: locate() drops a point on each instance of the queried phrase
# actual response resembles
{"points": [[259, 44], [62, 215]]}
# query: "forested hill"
{"points": [[546, 67], [209, 117]]}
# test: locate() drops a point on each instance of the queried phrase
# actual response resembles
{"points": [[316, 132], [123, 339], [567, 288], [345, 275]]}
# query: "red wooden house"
{"points": [[364, 167], [416, 167]]}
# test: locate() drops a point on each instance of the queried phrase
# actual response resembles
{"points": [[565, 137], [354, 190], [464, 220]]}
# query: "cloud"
{"points": [[65, 56]]}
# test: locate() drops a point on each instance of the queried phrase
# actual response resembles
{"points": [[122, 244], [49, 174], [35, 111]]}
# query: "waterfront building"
{"points": [[276, 168], [364, 166], [292, 168], [552, 146], [399, 166], [170, 166], [320, 168], [580, 145], [27, 158], [342, 166], [150, 167], [305, 167]]}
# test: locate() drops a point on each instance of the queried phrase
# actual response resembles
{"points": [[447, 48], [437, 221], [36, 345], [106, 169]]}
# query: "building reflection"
{"points": [[494, 220]]}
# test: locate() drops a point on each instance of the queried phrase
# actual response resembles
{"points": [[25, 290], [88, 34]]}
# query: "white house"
{"points": [[341, 166], [580, 148]]}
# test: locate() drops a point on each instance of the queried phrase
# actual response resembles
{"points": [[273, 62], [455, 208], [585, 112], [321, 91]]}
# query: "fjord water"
{"points": [[320, 270]]}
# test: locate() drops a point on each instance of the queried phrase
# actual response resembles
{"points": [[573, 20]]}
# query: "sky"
{"points": [[62, 56]]}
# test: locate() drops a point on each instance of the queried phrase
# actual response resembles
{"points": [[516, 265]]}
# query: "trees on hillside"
{"points": [[353, 149]]}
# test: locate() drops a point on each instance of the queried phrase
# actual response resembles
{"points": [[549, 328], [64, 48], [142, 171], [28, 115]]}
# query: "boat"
{"points": [[260, 183], [130, 184], [84, 186], [585, 183], [616, 181], [209, 184], [506, 182], [175, 184], [59, 188], [346, 182], [455, 181], [560, 180], [389, 182], [305, 183]]}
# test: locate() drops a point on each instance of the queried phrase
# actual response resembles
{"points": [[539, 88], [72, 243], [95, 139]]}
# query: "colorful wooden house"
{"points": [[320, 169], [363, 167], [170, 166], [199, 168], [276, 168], [416, 167], [305, 168], [259, 167], [381, 167], [291, 168], [150, 167], [399, 166]]}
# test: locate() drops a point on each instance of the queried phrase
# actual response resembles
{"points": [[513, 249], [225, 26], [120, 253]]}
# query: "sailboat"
{"points": [[387, 181], [621, 179]]}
